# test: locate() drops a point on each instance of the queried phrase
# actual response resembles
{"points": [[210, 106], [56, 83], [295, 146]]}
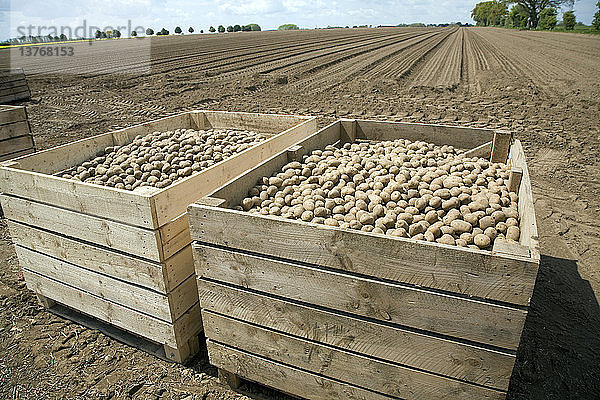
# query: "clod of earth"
{"points": [[398, 188]]}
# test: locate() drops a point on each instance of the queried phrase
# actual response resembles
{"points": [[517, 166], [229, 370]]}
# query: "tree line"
{"points": [[527, 14]]}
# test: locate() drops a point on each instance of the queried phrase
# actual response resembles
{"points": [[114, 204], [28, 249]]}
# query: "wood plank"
{"points": [[121, 266], [11, 114], [172, 202], [482, 151], [13, 130], [500, 146], [235, 190], [514, 179], [285, 378], [460, 137], [116, 291], [16, 155], [257, 122], [16, 144], [21, 90], [11, 98], [183, 297], [175, 235], [178, 268], [20, 82], [128, 207], [384, 377], [66, 156], [528, 226], [431, 265], [115, 314], [172, 123], [114, 235], [429, 353], [463, 318]]}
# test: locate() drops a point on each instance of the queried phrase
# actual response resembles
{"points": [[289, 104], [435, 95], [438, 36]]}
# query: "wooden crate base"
{"points": [[181, 338]]}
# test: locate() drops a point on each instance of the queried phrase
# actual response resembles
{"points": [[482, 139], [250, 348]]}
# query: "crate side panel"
{"points": [[123, 317], [285, 378], [462, 138], [124, 206], [117, 265], [390, 379], [459, 317], [463, 271], [114, 235], [12, 130], [116, 291], [429, 353], [16, 144], [264, 123], [126, 135]]}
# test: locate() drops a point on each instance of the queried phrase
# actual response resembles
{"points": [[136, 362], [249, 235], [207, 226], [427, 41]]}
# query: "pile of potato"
{"points": [[398, 188], [162, 158]]}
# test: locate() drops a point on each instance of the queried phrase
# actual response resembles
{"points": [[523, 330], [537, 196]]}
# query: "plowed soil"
{"points": [[543, 86]]}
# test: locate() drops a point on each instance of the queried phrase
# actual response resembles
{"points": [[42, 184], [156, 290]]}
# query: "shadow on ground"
{"points": [[559, 354]]}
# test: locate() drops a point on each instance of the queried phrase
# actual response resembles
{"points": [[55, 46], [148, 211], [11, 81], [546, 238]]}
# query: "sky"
{"points": [[42, 16]]}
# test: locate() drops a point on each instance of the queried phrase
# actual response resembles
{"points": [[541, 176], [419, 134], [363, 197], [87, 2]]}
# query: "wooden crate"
{"points": [[328, 313], [13, 86], [125, 256], [15, 133]]}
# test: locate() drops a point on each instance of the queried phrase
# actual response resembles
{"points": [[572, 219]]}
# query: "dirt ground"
{"points": [[543, 86]]}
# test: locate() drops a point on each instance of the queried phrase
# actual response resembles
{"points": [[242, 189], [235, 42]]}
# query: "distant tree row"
{"points": [[108, 34], [527, 14]]}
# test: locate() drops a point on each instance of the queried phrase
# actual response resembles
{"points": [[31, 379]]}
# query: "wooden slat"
{"points": [[178, 268], [264, 123], [14, 97], [129, 207], [16, 144], [11, 114], [116, 291], [500, 146], [121, 266], [460, 137], [482, 151], [172, 202], [390, 379], [285, 378], [428, 353], [183, 297], [431, 265], [443, 314], [175, 235], [132, 240], [66, 156], [123, 317], [172, 123], [21, 82], [13, 130], [528, 226], [12, 156]]}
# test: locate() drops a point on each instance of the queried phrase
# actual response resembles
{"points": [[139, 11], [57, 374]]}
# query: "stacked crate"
{"points": [[15, 133]]}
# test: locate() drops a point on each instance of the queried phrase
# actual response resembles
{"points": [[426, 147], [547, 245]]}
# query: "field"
{"points": [[543, 86]]}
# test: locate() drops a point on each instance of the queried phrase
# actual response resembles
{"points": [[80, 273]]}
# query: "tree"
{"points": [[178, 30], [569, 20], [104, 35], [548, 18], [230, 29], [191, 30], [201, 30], [596, 21], [517, 17], [288, 27], [116, 33], [212, 29], [63, 37], [133, 33], [489, 13], [98, 34], [221, 29], [535, 7], [254, 27], [164, 32], [237, 28], [149, 32]]}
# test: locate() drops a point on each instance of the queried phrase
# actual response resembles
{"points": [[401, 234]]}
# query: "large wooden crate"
{"points": [[328, 313], [13, 86], [15, 133], [125, 256]]}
